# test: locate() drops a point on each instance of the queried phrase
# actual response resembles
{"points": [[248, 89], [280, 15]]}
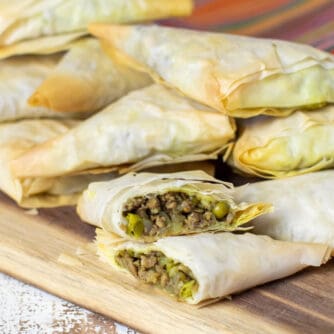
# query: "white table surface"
{"points": [[28, 310]]}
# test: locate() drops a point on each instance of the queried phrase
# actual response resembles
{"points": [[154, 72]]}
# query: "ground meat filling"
{"points": [[172, 213], [156, 269]]}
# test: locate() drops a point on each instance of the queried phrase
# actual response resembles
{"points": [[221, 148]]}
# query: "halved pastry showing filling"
{"points": [[156, 268], [179, 212], [209, 266], [148, 206]]}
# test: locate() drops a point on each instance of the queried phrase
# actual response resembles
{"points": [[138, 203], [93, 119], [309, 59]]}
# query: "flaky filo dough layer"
{"points": [[19, 77], [41, 46], [86, 80], [15, 139], [148, 127], [102, 204], [81, 81], [238, 75], [224, 263], [27, 19], [23, 69], [303, 207]]}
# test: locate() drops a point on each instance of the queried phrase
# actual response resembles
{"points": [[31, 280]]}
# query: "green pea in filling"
{"points": [[157, 269], [172, 213]]}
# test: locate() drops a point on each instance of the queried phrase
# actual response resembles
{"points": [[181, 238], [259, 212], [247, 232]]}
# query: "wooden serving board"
{"points": [[53, 251]]}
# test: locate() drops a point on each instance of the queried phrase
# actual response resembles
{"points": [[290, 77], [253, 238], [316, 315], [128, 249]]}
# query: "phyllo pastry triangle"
{"points": [[148, 127], [209, 266], [238, 75], [303, 207], [278, 147], [86, 80], [148, 206], [15, 139], [27, 19]]}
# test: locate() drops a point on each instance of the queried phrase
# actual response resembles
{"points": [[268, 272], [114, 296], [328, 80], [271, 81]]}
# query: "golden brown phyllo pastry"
{"points": [[209, 266], [86, 80], [148, 127], [82, 80], [26, 19], [240, 76], [15, 140], [26, 67], [19, 77], [277, 147], [148, 206]]}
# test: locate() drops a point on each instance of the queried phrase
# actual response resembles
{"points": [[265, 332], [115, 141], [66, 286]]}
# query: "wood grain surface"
{"points": [[53, 250]]}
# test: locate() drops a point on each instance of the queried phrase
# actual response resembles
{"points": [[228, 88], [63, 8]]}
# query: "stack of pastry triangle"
{"points": [[51, 72], [244, 77], [241, 77]]}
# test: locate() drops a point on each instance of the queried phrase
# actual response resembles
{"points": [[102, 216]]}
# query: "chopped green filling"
{"points": [[135, 225], [156, 269], [173, 213]]}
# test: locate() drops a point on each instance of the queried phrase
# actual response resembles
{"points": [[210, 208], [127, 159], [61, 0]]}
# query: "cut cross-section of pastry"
{"points": [[277, 147], [148, 206], [209, 266], [238, 75], [26, 19], [86, 80], [303, 207], [148, 127]]}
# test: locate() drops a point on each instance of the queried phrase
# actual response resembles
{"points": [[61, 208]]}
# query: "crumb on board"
{"points": [[69, 260], [87, 250], [31, 212]]}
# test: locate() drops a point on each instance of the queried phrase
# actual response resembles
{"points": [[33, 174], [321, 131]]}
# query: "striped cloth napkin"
{"points": [[306, 21]]}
